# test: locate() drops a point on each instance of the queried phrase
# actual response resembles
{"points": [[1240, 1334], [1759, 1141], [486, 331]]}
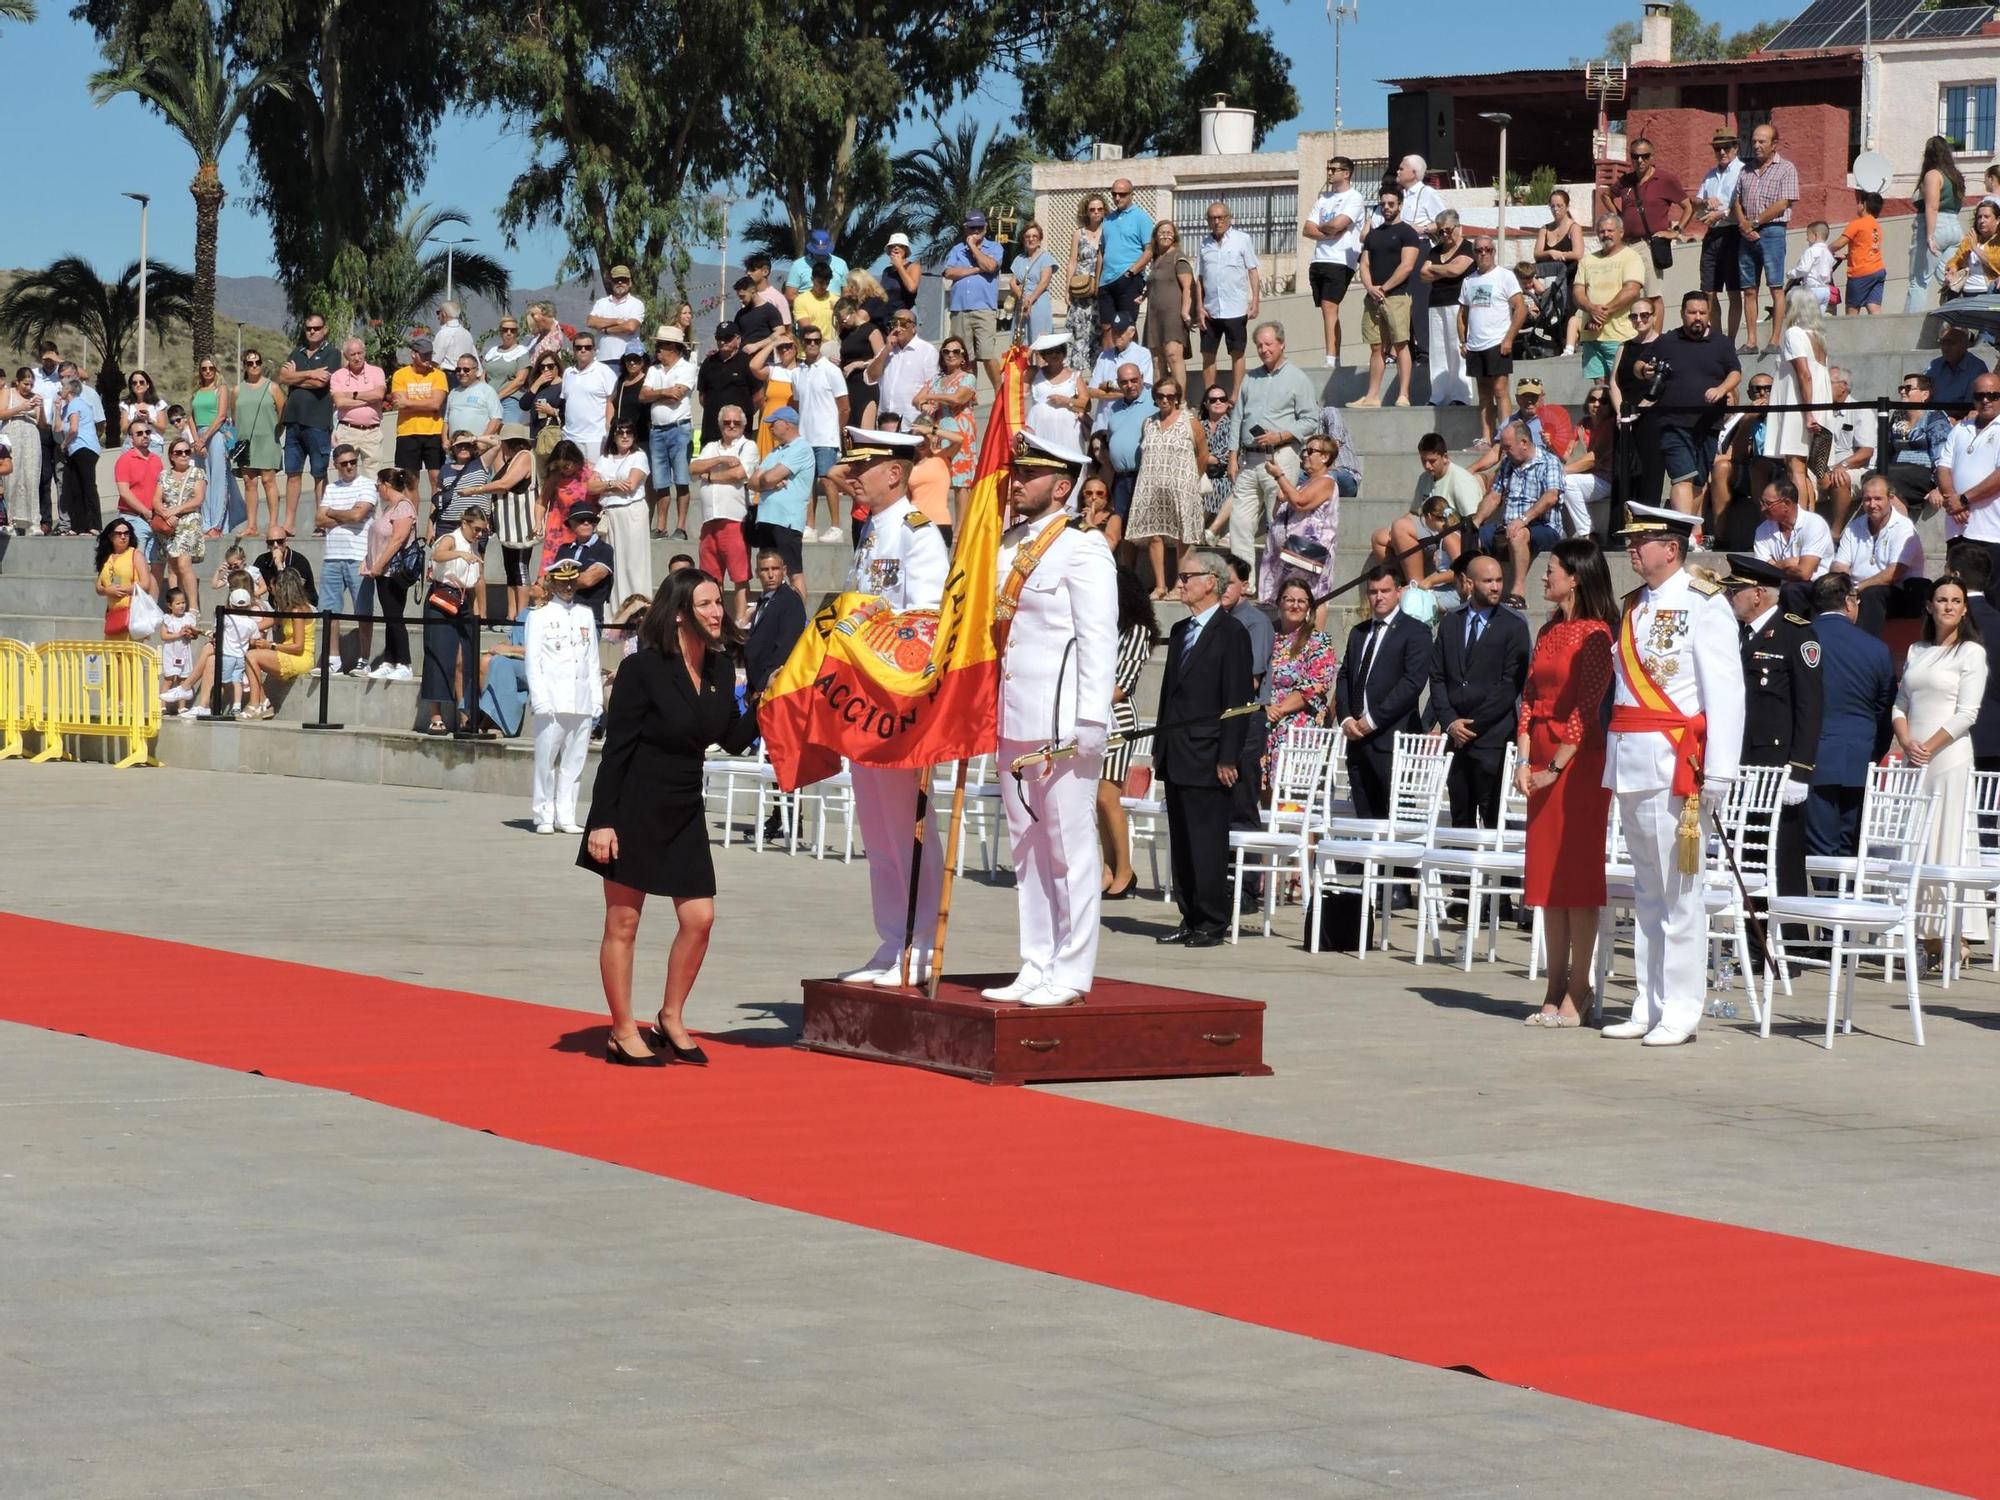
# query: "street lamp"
{"points": [[144, 200], [1503, 120], [450, 249], [1348, 10]]}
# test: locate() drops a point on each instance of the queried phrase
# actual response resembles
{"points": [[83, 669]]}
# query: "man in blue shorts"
{"points": [[1127, 252], [1517, 519], [308, 381]]}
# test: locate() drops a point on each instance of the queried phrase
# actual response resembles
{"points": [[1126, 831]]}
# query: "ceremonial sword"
{"points": [[1054, 752]]}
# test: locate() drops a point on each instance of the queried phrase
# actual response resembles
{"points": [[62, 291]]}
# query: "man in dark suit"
{"points": [[1377, 690], [1859, 680], [1975, 566], [775, 626], [1207, 671], [1478, 667]]}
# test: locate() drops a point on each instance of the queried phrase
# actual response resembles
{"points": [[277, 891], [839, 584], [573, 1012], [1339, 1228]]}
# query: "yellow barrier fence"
{"points": [[106, 688], [20, 696]]}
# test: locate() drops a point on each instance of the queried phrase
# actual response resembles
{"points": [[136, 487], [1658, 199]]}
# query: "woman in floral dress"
{"points": [[1306, 513], [1166, 497], [1302, 668]]}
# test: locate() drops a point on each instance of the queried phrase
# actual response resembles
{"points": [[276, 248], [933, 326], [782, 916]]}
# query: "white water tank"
{"points": [[1226, 131]]}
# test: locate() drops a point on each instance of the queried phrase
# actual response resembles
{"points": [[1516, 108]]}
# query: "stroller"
{"points": [[1541, 337]]}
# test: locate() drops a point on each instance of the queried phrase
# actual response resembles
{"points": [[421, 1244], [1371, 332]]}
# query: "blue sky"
{"points": [[86, 157]]}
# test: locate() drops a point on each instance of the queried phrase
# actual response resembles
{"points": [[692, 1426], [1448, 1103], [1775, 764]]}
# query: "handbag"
{"points": [[446, 598], [407, 566], [1662, 251], [239, 454], [1081, 285], [142, 615]]}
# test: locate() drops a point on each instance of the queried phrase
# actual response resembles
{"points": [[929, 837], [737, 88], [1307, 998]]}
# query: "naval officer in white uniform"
{"points": [[902, 558], [1679, 672], [1058, 605]]}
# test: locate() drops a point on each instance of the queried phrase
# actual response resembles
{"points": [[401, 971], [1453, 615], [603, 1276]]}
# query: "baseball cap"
{"points": [[819, 242], [785, 414], [239, 598], [974, 220], [421, 344], [620, 271]]}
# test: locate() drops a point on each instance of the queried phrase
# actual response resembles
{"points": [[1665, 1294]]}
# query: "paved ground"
{"points": [[217, 1284]]}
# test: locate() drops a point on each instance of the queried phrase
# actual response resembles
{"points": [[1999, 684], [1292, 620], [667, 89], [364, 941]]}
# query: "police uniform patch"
{"points": [[1809, 653]]}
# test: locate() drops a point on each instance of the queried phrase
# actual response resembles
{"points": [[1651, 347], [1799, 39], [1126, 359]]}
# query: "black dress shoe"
{"points": [[1123, 892], [1204, 940], [617, 1056], [690, 1054], [1180, 934]]}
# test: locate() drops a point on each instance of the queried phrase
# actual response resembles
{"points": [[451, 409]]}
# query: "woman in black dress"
{"points": [[647, 831]]}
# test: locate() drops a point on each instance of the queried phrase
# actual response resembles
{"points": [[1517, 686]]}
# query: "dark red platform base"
{"points": [[1123, 1030]]}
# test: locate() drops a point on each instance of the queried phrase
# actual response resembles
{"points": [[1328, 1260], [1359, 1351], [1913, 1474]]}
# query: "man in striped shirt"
{"points": [[1765, 192]]}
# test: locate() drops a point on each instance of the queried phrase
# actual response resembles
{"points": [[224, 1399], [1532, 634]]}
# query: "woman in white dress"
{"points": [[1944, 682], [20, 425], [1801, 378]]}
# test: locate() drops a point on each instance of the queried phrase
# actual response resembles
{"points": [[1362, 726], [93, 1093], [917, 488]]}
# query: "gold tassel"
{"points": [[1688, 841]]}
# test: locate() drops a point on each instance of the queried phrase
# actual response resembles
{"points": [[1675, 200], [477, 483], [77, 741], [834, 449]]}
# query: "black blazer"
{"points": [[1395, 681], [1215, 677], [775, 628], [1986, 728], [656, 731], [1484, 684]]}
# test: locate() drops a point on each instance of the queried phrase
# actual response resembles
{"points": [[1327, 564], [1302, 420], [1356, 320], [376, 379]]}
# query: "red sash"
{"points": [[1688, 733]]}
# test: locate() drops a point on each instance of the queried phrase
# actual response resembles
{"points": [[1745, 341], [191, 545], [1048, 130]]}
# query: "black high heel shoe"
{"points": [[615, 1054], [691, 1054]]}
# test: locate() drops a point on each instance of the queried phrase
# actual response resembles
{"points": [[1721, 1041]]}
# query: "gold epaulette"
{"points": [[1704, 581], [916, 520], [1797, 619]]}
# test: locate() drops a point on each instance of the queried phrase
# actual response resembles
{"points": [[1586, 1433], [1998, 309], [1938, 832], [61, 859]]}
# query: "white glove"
{"points": [[1793, 793], [1090, 739], [1715, 789]]}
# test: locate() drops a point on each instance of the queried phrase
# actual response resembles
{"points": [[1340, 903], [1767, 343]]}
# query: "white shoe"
{"points": [[1333, 361], [1009, 993], [545, 828], [831, 534], [1050, 995], [570, 827], [1625, 1031], [399, 673], [332, 667], [200, 711], [1665, 1036], [175, 695], [868, 975], [892, 978], [380, 670]]}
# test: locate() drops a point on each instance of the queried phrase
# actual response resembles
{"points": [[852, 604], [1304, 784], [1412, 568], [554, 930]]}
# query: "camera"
{"points": [[1656, 383]]}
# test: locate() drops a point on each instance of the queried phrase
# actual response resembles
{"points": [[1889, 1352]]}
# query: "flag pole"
{"points": [[949, 875], [916, 871]]}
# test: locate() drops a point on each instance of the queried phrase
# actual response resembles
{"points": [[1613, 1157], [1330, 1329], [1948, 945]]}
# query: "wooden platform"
{"points": [[1122, 1030]]}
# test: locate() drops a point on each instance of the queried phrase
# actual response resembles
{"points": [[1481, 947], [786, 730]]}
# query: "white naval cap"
{"points": [[1050, 341], [1034, 451], [1656, 520], [866, 443]]}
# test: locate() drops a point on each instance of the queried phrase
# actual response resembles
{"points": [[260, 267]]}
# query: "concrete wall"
{"points": [[1910, 113]]}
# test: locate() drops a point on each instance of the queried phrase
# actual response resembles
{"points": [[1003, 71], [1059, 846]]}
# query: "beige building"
{"points": [[1267, 193]]}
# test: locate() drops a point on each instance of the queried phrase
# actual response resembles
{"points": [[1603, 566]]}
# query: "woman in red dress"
{"points": [[1561, 771]]}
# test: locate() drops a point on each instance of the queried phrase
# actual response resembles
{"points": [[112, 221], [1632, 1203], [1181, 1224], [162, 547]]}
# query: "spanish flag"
{"points": [[880, 688]]}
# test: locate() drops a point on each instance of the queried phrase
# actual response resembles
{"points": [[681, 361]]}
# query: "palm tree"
{"points": [[940, 184], [68, 293], [17, 10], [199, 90], [407, 275]]}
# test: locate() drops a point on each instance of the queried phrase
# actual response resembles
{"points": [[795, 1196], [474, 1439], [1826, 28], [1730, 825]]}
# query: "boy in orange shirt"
{"points": [[1862, 240]]}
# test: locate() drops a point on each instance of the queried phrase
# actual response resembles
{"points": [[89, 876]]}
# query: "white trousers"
{"points": [[631, 551], [885, 808], [1669, 948], [562, 744], [1058, 866], [1448, 378]]}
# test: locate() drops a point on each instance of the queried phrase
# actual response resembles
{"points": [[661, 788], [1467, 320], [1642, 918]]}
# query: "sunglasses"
{"points": [[1986, 395], [1121, 195], [251, 359], [510, 327], [732, 421], [179, 452], [315, 328], [347, 463], [1642, 156], [1906, 390], [1218, 400], [1184, 577], [1760, 390], [585, 344]]}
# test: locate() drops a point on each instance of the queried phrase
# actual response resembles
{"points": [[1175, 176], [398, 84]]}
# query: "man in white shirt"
{"points": [[1881, 551], [1121, 347], [1226, 299], [616, 318], [1968, 477], [722, 483], [1335, 231], [906, 364], [1723, 241], [452, 341], [669, 388], [565, 695], [344, 513], [1491, 311], [1421, 206], [1797, 542], [1853, 451], [819, 391], [589, 388]]}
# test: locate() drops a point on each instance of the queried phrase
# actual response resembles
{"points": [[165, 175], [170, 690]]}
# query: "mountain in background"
{"points": [[260, 300]]}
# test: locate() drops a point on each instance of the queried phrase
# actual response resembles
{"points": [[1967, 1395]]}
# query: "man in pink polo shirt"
{"points": [[138, 477], [358, 388]]}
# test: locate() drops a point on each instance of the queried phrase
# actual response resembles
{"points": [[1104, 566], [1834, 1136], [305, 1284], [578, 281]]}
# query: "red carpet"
{"points": [[1865, 1360]]}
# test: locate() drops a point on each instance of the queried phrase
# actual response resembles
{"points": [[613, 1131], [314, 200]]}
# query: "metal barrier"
{"points": [[20, 696], [106, 688]]}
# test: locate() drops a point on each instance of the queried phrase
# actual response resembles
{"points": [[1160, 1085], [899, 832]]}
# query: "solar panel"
{"points": [[1849, 23]]}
